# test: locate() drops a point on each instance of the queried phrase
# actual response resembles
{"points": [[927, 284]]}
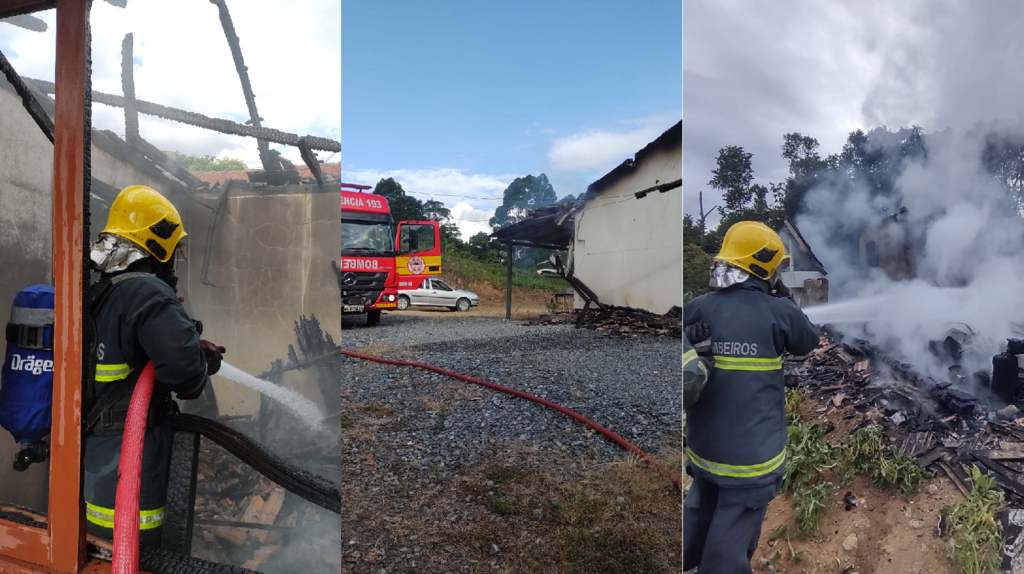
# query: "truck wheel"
{"points": [[373, 318], [403, 302], [463, 305]]}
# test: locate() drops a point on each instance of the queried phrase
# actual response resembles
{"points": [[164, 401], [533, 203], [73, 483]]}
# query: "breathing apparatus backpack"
{"points": [[26, 382]]}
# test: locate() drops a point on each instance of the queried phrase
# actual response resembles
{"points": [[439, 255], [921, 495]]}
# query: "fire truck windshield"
{"points": [[367, 238]]}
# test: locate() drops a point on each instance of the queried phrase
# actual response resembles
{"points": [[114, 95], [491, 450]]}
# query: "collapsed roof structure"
{"points": [[639, 264]]}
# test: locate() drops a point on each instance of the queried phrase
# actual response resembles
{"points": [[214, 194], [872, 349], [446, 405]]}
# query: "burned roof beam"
{"points": [[131, 120], [199, 120], [309, 156], [131, 115], [32, 105], [270, 162], [662, 188]]}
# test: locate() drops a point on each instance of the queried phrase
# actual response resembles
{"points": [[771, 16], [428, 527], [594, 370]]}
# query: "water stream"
{"points": [[306, 410]]}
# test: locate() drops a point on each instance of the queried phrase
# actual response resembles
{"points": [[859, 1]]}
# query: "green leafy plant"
{"points": [[976, 544], [810, 505]]}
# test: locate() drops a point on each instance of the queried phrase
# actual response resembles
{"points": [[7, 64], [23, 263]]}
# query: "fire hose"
{"points": [[129, 476], [125, 559], [607, 433]]}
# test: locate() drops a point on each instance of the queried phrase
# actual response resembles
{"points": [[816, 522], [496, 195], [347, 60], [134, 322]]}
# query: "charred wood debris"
{"points": [[947, 425], [611, 319], [243, 518]]}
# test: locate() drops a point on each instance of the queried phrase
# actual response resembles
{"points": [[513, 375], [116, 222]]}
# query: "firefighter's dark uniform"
{"points": [[141, 320], [695, 374], [736, 430]]}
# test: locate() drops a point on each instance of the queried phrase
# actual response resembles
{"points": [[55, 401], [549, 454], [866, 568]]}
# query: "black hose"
{"points": [[316, 489]]}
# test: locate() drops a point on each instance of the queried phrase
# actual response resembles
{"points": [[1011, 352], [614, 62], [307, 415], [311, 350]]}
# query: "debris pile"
{"points": [[244, 519], [622, 321], [946, 428]]}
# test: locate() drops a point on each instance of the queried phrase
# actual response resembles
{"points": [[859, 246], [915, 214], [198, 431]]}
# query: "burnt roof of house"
{"points": [[546, 227], [803, 245], [671, 137], [544, 230]]}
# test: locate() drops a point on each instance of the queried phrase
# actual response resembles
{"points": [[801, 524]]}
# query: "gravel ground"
{"points": [[630, 386], [410, 436]]}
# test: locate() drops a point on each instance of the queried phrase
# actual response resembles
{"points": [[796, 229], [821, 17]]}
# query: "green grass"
{"points": [[442, 418], [976, 545], [467, 270]]}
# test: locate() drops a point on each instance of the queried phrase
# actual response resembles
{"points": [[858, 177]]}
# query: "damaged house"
{"points": [[802, 273], [622, 235]]}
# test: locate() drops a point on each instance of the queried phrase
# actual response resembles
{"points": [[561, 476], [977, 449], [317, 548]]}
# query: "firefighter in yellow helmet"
{"points": [[736, 428], [139, 318]]}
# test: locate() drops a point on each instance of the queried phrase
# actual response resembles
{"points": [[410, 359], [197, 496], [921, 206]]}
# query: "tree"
{"points": [[744, 200], [806, 168], [733, 176], [196, 163], [523, 194], [403, 207]]}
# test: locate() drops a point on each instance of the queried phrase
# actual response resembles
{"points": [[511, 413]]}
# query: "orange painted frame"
{"points": [[61, 548]]}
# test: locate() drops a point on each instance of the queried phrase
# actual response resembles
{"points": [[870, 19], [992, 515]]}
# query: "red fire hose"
{"points": [[618, 440], [129, 476]]}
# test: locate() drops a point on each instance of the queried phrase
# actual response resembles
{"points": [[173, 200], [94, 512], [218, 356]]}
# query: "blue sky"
{"points": [[460, 97]]}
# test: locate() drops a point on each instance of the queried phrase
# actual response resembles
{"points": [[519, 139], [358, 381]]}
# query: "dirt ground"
{"points": [[526, 303], [885, 532]]}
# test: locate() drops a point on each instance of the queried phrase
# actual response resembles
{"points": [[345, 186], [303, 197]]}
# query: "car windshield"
{"points": [[366, 238]]}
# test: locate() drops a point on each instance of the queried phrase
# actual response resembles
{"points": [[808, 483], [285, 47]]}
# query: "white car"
{"points": [[437, 293]]}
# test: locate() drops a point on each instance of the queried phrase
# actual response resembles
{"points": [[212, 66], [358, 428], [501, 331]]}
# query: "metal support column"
{"points": [[509, 259]]}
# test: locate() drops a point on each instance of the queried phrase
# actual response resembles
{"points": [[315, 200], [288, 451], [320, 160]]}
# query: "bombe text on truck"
{"points": [[375, 255]]}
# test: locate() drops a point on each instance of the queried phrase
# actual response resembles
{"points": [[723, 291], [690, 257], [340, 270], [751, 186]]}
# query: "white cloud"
{"points": [[471, 220], [472, 197], [182, 60], [594, 150]]}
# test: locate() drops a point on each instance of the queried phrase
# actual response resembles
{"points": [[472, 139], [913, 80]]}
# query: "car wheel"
{"points": [[463, 305], [403, 303]]}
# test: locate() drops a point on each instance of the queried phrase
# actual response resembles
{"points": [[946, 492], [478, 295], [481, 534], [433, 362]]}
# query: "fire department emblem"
{"points": [[416, 265]]}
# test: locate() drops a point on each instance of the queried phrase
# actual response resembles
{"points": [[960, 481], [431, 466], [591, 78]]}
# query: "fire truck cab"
{"points": [[378, 259]]}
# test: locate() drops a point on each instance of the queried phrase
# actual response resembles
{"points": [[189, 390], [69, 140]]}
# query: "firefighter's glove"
{"points": [[697, 332], [214, 356], [780, 290], [195, 394]]}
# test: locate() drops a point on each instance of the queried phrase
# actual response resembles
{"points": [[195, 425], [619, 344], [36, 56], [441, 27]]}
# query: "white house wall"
{"points": [[629, 250]]}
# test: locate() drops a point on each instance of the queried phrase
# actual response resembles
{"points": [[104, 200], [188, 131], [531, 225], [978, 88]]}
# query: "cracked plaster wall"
{"points": [[271, 263], [629, 251]]}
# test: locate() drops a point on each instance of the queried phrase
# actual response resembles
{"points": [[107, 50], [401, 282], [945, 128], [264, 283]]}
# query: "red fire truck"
{"points": [[378, 260]]}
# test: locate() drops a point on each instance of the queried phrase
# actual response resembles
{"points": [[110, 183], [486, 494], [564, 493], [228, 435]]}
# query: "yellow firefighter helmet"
{"points": [[143, 216], [754, 248]]}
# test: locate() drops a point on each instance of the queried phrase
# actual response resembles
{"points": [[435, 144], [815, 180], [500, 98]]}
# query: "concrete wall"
{"points": [[270, 262], [628, 250]]}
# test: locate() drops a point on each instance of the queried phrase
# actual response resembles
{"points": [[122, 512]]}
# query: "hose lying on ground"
{"points": [[614, 437], [129, 477], [309, 486]]}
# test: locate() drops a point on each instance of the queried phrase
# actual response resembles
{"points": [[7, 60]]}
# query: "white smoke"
{"points": [[966, 240]]}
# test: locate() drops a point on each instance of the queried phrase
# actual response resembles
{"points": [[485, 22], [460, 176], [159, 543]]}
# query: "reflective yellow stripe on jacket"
{"points": [[738, 471], [107, 373], [689, 356], [148, 519], [747, 363]]}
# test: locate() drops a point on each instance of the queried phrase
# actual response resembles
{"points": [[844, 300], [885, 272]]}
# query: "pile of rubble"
{"points": [[945, 427], [244, 519], [622, 321]]}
